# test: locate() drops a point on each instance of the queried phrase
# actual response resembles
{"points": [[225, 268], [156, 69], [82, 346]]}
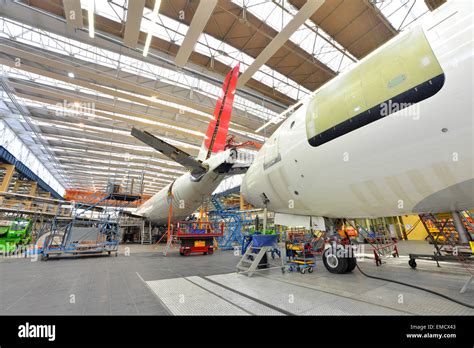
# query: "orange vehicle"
{"points": [[350, 231]]}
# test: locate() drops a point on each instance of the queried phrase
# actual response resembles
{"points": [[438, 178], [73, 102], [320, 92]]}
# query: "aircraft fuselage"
{"points": [[354, 151]]}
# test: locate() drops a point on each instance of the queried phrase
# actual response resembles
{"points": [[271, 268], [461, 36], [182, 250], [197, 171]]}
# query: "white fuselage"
{"points": [[394, 166], [188, 194]]}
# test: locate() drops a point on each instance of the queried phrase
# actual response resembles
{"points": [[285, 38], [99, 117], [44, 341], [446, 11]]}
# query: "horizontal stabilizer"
{"points": [[186, 160]]}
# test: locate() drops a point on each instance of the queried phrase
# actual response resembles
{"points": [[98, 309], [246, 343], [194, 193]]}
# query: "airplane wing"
{"points": [[186, 160]]}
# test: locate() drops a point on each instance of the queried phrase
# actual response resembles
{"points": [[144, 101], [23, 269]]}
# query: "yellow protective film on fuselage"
{"points": [[401, 74]]}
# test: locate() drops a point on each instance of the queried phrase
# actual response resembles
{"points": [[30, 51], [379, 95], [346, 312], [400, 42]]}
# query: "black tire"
{"points": [[333, 262], [303, 271], [351, 264], [310, 270], [412, 263]]}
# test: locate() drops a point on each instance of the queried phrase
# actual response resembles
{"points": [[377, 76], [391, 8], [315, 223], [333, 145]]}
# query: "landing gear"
{"points": [[351, 264], [412, 263], [337, 260]]}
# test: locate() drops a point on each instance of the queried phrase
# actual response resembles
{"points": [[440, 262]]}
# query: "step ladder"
{"points": [[250, 259], [146, 235], [450, 243], [173, 240]]}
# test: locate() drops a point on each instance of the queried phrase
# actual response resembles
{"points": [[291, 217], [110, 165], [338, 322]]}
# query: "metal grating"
{"points": [[241, 301], [182, 297]]}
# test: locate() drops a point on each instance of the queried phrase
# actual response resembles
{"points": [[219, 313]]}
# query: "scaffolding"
{"points": [[234, 221], [94, 228], [445, 237]]}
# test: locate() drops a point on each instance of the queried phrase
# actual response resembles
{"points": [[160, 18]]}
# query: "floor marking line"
{"points": [[156, 295], [346, 297], [275, 308], [222, 298]]}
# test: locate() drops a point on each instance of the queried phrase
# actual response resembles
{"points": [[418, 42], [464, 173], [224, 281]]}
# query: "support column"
{"points": [[242, 202], [9, 170], [34, 188], [7, 178], [17, 185], [150, 241], [265, 212], [402, 227], [460, 228], [369, 225]]}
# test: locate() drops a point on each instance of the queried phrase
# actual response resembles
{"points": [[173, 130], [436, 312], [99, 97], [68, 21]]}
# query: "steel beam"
{"points": [[73, 13], [199, 21], [279, 40], [133, 21]]}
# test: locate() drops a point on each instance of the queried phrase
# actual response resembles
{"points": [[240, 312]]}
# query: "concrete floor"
{"points": [[147, 283]]}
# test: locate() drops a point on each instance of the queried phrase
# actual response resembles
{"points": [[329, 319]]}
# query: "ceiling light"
{"points": [[153, 19], [71, 75]]}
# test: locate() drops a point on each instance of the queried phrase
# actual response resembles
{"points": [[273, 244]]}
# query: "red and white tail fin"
{"points": [[216, 135]]}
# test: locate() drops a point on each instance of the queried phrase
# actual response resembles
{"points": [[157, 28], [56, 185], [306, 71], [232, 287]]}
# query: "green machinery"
{"points": [[14, 233]]}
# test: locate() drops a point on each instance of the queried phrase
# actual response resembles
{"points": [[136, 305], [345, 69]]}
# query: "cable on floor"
{"points": [[416, 287]]}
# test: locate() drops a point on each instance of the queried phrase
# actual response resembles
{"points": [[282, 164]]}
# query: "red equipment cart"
{"points": [[197, 237]]}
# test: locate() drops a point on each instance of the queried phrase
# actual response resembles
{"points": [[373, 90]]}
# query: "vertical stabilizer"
{"points": [[216, 134]]}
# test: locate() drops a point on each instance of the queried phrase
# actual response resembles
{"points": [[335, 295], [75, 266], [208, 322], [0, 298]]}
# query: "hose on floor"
{"points": [[416, 287], [410, 285]]}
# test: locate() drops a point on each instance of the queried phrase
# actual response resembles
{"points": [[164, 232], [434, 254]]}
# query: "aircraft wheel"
{"points": [[303, 271], [351, 264], [310, 270], [335, 260]]}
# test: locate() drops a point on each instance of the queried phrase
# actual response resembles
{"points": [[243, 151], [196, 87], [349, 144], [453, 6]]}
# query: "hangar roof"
{"points": [[72, 98]]}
